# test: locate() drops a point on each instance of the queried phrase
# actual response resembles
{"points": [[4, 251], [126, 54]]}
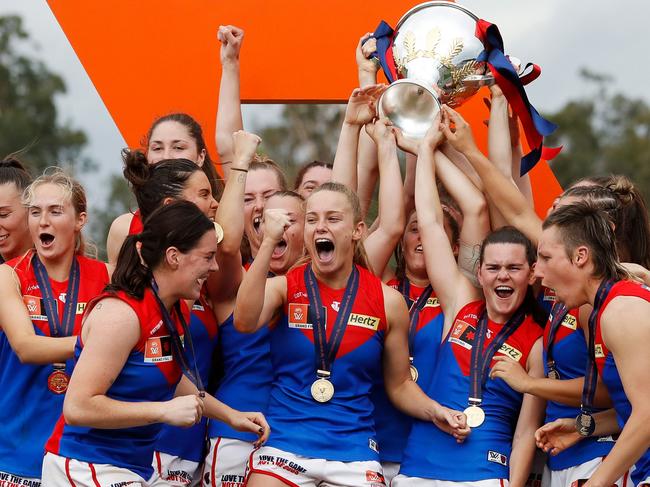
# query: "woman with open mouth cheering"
{"points": [[44, 294], [332, 319]]}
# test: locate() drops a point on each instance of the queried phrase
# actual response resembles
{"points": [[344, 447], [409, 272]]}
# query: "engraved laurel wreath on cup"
{"points": [[434, 50]]}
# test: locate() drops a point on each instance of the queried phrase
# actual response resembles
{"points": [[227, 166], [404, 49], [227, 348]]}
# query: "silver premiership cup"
{"points": [[435, 50]]}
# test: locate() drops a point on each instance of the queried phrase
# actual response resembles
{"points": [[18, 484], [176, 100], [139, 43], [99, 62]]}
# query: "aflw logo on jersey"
{"points": [[158, 349], [463, 334], [298, 315]]}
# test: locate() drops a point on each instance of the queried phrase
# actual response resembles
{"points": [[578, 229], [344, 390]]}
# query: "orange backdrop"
{"points": [[147, 58]]}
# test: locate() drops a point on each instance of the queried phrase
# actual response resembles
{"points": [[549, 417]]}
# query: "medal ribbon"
{"points": [[480, 361], [326, 350], [405, 289], [559, 312], [591, 374], [177, 344], [65, 327], [414, 315]]}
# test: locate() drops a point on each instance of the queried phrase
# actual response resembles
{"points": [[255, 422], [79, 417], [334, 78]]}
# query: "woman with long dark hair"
{"points": [[135, 363], [479, 327]]}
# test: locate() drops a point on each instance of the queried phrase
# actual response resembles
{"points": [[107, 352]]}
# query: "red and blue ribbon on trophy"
{"points": [[511, 83]]}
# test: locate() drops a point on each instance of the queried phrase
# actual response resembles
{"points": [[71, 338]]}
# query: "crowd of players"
{"points": [[245, 333]]}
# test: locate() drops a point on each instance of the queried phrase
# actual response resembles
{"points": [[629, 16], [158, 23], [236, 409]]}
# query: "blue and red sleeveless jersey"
{"points": [[393, 426], [136, 225], [28, 409], [150, 373], [431, 453], [187, 443], [609, 373], [341, 429], [247, 375], [570, 356]]}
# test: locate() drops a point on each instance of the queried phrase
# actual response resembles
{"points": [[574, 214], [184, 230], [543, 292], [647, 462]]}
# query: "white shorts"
{"points": [[61, 471], [298, 471], [391, 469], [225, 463], [568, 476], [11, 480], [169, 470], [404, 481]]}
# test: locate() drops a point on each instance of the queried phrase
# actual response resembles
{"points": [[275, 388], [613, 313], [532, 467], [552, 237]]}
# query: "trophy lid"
{"points": [[435, 3]]}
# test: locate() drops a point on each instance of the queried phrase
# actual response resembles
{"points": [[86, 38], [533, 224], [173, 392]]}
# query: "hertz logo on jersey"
{"points": [[570, 321], [432, 303], [364, 321], [510, 351]]}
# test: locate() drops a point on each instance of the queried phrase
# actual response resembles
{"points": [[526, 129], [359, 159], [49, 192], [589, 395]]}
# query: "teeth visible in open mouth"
{"points": [[257, 221], [3, 237], [324, 249], [419, 248], [504, 291]]}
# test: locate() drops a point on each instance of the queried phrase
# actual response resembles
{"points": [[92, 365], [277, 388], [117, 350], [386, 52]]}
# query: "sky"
{"points": [[562, 37]]}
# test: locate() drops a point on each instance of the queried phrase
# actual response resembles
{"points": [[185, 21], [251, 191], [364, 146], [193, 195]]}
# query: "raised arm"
{"points": [[19, 329], [110, 332], [367, 170], [229, 119], [410, 148], [224, 283], [259, 298], [499, 189], [380, 244], [476, 221], [360, 111], [452, 288]]}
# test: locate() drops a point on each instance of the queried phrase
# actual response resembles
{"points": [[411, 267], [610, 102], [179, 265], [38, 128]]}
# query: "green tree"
{"points": [[603, 133], [306, 132], [28, 114]]}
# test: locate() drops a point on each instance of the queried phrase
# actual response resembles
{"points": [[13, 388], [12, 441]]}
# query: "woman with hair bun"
{"points": [[172, 136], [44, 294], [135, 363], [15, 239]]}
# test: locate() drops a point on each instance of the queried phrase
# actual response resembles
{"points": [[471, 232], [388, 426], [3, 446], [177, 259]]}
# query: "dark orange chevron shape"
{"points": [[150, 57]]}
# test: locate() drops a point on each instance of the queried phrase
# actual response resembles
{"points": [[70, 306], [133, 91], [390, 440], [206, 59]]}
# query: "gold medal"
{"points": [[553, 374], [413, 370], [322, 390], [57, 381], [475, 416], [414, 373]]}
